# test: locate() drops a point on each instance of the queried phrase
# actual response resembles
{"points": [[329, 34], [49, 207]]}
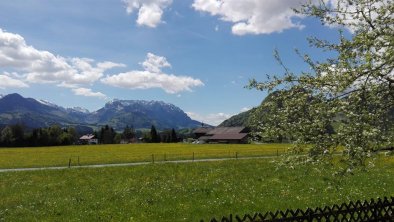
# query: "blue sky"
{"points": [[196, 54]]}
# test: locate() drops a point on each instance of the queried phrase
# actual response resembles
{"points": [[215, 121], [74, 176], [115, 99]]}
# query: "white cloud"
{"points": [[40, 66], [154, 63], [211, 119], [7, 81], [269, 16], [146, 80], [73, 71], [87, 73], [44, 67], [16, 54], [253, 16], [353, 22], [67, 85], [150, 12], [88, 92], [109, 65], [245, 109], [153, 77]]}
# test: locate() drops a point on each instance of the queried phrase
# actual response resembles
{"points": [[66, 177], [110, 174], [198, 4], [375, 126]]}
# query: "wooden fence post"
{"points": [[153, 158], [69, 163]]}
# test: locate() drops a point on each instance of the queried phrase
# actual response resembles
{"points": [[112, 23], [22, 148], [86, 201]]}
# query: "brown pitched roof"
{"points": [[226, 130], [204, 138], [229, 136], [202, 130]]}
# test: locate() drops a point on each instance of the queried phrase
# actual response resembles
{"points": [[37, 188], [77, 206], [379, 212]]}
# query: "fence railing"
{"points": [[81, 160], [379, 210]]}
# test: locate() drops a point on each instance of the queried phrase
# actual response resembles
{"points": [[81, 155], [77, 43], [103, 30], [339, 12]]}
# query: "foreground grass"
{"points": [[123, 153], [181, 192]]}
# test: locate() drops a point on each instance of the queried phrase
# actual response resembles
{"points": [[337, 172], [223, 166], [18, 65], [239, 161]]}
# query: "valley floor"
{"points": [[182, 191], [62, 156]]}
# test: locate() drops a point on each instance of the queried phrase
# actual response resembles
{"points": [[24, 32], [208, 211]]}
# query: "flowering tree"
{"points": [[345, 102]]}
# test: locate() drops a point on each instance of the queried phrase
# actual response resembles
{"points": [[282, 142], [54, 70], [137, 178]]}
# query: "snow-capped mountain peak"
{"points": [[44, 102], [80, 109]]}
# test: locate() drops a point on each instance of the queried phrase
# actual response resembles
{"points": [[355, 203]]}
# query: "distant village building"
{"points": [[88, 139], [221, 134]]}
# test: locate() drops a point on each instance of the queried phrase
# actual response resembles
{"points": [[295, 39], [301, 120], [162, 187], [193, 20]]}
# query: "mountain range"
{"points": [[34, 113]]}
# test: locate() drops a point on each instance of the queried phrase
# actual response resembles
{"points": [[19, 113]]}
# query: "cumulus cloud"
{"points": [[44, 67], [16, 54], [150, 12], [146, 80], [39, 66], [73, 71], [153, 77], [253, 16], [6, 81], [154, 63], [269, 16], [88, 92]]}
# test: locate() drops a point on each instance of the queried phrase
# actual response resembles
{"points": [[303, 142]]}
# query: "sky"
{"points": [[196, 54]]}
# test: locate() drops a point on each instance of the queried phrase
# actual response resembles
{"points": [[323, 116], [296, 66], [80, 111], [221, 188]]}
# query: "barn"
{"points": [[232, 135]]}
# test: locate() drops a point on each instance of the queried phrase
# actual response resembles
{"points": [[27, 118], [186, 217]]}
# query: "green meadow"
{"points": [[163, 191], [182, 192], [126, 153]]}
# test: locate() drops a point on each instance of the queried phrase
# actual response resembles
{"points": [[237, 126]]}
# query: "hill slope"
{"points": [[243, 119], [33, 113]]}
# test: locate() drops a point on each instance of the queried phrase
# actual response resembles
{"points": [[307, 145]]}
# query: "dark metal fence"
{"points": [[379, 210]]}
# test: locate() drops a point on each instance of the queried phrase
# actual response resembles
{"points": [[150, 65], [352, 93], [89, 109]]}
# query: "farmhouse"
{"points": [[222, 135], [202, 131], [88, 139]]}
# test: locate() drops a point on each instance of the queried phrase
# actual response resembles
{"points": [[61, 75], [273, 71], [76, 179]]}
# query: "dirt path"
{"points": [[130, 164]]}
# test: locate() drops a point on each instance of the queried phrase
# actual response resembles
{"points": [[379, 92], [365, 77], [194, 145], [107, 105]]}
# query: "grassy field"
{"points": [[182, 192], [123, 153]]}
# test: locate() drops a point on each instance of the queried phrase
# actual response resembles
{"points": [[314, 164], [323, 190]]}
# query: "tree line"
{"points": [[19, 136], [107, 135]]}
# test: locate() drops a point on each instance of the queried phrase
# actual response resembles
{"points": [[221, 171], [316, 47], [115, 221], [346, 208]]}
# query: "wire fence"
{"points": [[79, 160]]}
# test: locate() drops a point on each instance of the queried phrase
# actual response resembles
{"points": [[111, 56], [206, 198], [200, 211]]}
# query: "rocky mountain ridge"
{"points": [[118, 113]]}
